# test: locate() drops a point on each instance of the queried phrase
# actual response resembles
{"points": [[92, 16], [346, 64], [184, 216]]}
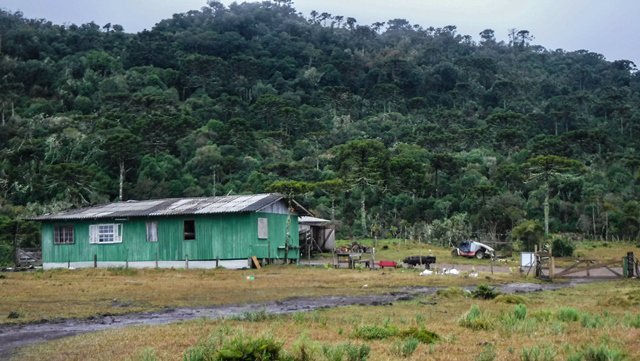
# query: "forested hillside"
{"points": [[392, 128]]}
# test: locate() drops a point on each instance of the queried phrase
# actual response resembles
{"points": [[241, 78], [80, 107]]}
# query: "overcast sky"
{"points": [[609, 27]]}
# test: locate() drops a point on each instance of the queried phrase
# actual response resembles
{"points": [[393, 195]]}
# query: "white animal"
{"points": [[452, 271], [426, 273]]}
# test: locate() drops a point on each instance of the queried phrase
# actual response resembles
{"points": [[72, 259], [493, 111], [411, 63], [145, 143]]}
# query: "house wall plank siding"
{"points": [[218, 236]]}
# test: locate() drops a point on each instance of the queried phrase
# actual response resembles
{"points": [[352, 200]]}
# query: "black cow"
{"points": [[420, 260]]}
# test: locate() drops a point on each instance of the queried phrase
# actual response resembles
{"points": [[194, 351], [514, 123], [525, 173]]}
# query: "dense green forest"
{"points": [[393, 129]]}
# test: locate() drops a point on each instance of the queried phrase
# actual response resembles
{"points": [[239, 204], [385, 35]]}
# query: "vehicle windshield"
{"points": [[464, 246]]}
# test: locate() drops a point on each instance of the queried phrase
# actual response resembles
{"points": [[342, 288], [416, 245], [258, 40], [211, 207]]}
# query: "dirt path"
{"points": [[14, 336]]}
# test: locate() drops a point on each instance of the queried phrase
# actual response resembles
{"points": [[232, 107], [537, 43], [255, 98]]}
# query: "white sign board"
{"points": [[527, 259]]}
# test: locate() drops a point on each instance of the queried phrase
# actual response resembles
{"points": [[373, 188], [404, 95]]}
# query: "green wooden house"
{"points": [[185, 232]]}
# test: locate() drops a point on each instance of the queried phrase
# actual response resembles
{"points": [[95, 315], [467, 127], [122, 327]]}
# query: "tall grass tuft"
{"points": [[246, 348], [632, 320], [255, 316], [488, 353], [198, 353], [332, 353], [372, 332], [517, 321], [148, 354], [543, 315], [405, 348], [591, 321], [520, 312], [304, 349], [357, 352], [475, 320], [346, 351], [538, 354], [568, 314], [598, 353], [299, 317]]}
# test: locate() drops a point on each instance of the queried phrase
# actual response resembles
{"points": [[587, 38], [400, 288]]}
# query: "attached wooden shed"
{"points": [[186, 232], [316, 235]]}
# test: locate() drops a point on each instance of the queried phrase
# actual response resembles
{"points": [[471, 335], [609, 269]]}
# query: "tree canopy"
{"points": [[394, 124]]}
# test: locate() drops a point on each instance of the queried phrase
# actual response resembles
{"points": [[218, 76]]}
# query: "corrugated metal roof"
{"points": [[312, 220], [173, 206]]}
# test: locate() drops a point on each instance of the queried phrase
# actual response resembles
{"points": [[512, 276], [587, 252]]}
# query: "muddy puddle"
{"points": [[14, 336]]}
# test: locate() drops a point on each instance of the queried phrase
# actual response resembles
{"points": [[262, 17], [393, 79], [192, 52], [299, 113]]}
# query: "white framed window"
{"points": [[105, 233], [152, 231], [63, 234], [263, 228]]}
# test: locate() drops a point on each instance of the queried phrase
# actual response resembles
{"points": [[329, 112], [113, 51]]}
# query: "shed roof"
{"points": [[174, 206], [313, 221]]}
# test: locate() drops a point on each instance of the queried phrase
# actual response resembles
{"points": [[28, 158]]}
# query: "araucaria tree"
{"points": [[543, 169]]}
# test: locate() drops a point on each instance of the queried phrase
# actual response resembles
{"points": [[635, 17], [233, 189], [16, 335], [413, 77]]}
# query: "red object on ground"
{"points": [[384, 264]]}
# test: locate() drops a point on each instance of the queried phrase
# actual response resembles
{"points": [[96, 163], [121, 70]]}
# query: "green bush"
{"points": [[485, 292], [529, 232], [420, 334], [562, 247], [14, 315], [6, 254], [249, 349]]}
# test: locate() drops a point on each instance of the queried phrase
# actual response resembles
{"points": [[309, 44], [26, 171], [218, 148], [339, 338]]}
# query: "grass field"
{"points": [[35, 296], [570, 324], [396, 250], [588, 322]]}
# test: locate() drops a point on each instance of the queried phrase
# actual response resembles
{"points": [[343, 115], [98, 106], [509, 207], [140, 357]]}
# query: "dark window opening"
{"points": [[63, 234], [189, 230]]}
